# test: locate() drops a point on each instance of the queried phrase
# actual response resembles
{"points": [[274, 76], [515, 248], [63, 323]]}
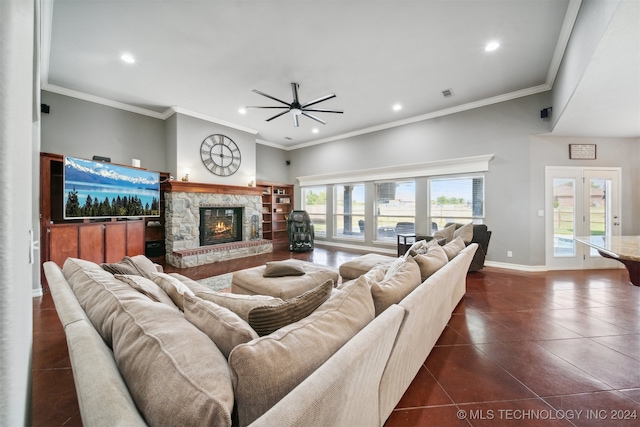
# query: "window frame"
{"points": [[356, 236]]}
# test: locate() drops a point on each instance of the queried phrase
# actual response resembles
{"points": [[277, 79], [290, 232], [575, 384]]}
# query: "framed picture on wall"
{"points": [[582, 151]]}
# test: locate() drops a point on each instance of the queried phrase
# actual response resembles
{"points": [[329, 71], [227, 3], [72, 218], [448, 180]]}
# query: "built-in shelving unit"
{"points": [[277, 203]]}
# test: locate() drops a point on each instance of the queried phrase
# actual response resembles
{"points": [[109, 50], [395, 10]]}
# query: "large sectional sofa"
{"points": [[138, 357]]}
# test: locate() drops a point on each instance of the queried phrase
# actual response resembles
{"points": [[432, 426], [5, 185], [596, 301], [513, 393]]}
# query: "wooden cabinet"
{"points": [[98, 241], [277, 203]]}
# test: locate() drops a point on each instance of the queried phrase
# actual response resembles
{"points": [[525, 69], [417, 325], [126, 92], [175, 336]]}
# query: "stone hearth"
{"points": [[183, 201]]}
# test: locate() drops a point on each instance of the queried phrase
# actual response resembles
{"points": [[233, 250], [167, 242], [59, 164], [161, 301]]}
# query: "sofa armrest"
{"points": [[103, 396]]}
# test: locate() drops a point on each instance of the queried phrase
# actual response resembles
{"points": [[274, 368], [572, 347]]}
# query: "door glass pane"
{"points": [[599, 221], [564, 202]]}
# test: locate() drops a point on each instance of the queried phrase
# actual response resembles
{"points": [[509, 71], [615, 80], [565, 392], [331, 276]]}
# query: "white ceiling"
{"points": [[204, 58]]}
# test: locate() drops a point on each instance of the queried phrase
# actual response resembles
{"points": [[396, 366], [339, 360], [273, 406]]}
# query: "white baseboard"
{"points": [[392, 252], [518, 267], [37, 292]]}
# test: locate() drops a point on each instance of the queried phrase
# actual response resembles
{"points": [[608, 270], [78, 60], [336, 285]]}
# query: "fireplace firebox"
{"points": [[220, 225]]}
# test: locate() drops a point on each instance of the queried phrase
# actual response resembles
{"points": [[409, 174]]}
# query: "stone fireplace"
{"points": [[232, 218]]}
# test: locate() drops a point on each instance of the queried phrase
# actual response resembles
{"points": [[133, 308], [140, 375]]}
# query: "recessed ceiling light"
{"points": [[242, 111], [129, 59], [315, 130], [491, 46], [397, 107]]}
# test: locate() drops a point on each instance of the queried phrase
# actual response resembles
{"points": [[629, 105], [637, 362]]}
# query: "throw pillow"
{"points": [[446, 233], [466, 232], [283, 268], [267, 319], [393, 288], [239, 304], [191, 284], [122, 267], [431, 262], [453, 248], [147, 287], [225, 328], [418, 247], [395, 266], [265, 370], [173, 287], [144, 264]]}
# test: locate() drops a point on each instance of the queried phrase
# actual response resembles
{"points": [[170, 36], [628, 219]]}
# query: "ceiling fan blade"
{"points": [[277, 115], [295, 120], [271, 97], [256, 106], [324, 98], [294, 91], [322, 110], [314, 118]]}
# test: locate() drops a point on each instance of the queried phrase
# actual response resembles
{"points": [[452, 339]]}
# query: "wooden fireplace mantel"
{"points": [[201, 187]]}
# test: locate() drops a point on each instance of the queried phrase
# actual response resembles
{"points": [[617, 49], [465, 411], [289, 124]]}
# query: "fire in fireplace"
{"points": [[220, 225]]}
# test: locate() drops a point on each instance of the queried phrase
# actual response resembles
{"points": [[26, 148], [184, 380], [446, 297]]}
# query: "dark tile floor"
{"points": [[522, 349]]}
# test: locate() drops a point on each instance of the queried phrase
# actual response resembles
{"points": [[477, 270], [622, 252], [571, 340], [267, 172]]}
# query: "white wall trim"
{"points": [[436, 167], [37, 292], [518, 267], [363, 248]]}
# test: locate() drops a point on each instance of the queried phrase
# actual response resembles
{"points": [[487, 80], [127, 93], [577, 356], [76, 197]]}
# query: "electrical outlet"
{"points": [[509, 254]]}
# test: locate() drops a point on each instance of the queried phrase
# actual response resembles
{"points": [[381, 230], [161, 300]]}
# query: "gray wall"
{"points": [[83, 129], [17, 152], [514, 184], [272, 165]]}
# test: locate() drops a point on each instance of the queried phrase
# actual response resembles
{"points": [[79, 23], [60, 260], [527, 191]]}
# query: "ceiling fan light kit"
{"points": [[296, 109]]}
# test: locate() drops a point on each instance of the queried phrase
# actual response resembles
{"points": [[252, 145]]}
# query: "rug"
{"points": [[217, 283]]}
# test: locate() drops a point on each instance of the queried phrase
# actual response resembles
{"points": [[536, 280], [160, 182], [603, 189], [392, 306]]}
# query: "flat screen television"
{"points": [[95, 189]]}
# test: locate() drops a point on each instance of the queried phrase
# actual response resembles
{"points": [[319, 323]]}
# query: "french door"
{"points": [[580, 202]]}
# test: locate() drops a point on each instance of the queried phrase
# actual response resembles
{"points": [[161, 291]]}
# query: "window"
{"points": [[459, 199], [314, 201], [395, 209], [349, 211]]}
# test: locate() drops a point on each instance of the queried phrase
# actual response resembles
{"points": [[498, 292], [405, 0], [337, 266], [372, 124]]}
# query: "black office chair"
{"points": [[300, 231]]}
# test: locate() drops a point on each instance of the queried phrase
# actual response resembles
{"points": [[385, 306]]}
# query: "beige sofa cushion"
{"points": [[466, 232], [360, 265], [446, 233], [432, 261], [264, 370], [404, 278], [173, 287], [239, 304], [146, 287], [148, 342], [454, 247], [283, 268], [225, 328]]}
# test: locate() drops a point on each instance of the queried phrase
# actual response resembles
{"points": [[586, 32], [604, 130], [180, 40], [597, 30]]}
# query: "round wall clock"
{"points": [[220, 155]]}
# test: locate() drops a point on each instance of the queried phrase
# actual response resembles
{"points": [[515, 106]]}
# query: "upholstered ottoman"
{"points": [[251, 281], [359, 266]]}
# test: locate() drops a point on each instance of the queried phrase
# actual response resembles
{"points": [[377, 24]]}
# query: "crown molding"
{"points": [[428, 116], [175, 109], [102, 101]]}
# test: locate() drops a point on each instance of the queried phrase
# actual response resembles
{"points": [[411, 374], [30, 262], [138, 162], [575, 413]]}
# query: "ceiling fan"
{"points": [[296, 109]]}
